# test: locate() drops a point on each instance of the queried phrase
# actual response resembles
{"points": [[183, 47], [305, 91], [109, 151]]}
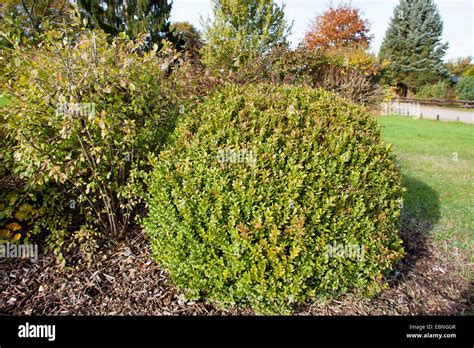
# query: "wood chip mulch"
{"points": [[125, 280]]}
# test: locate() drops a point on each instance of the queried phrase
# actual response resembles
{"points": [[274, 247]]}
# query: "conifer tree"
{"points": [[130, 16], [413, 46]]}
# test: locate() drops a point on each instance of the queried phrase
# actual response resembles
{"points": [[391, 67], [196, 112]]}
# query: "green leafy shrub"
{"points": [[26, 214], [85, 113], [293, 66], [260, 184], [469, 72], [438, 90], [350, 73], [465, 88], [29, 212]]}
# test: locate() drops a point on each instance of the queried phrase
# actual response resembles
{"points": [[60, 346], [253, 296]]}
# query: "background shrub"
{"points": [[351, 73], [259, 183], [465, 88], [438, 90], [354, 74], [353, 85], [300, 67]]}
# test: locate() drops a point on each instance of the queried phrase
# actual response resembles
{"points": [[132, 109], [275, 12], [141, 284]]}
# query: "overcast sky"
{"points": [[458, 17]]}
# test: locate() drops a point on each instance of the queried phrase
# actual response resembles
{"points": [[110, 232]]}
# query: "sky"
{"points": [[458, 17]]}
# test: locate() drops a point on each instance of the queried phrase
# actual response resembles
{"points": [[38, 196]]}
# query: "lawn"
{"points": [[437, 163]]}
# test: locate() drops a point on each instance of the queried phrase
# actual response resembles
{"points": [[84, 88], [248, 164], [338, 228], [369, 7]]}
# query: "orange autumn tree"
{"points": [[338, 27]]}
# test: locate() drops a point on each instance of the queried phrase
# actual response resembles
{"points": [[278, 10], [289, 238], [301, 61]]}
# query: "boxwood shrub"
{"points": [[273, 196]]}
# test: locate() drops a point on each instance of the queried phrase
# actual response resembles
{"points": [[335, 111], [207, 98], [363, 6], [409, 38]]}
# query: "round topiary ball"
{"points": [[273, 196]]}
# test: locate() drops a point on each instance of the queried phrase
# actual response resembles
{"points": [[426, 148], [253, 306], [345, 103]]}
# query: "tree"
{"points": [[132, 16], [338, 27], [186, 37], [413, 46], [461, 66], [242, 30]]}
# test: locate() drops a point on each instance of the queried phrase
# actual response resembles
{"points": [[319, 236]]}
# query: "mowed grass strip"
{"points": [[437, 163]]}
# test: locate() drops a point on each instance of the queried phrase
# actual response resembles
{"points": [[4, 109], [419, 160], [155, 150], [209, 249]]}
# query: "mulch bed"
{"points": [[123, 279]]}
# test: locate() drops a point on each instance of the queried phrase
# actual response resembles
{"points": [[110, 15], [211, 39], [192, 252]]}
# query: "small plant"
{"points": [[261, 233]]}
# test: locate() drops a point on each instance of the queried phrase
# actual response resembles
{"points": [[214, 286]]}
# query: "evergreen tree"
{"points": [[130, 16], [413, 45], [242, 30]]}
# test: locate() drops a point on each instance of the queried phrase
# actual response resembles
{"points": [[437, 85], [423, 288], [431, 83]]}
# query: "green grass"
{"points": [[437, 163]]}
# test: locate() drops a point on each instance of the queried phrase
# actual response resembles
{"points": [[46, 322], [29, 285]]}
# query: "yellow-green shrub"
{"points": [[255, 230]]}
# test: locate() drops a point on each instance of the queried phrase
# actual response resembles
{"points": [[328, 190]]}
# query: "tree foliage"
{"points": [[242, 30], [186, 37], [36, 11], [338, 27], [133, 17], [465, 88], [461, 66], [413, 45]]}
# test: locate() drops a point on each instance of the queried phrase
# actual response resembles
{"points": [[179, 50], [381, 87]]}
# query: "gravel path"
{"points": [[429, 112]]}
